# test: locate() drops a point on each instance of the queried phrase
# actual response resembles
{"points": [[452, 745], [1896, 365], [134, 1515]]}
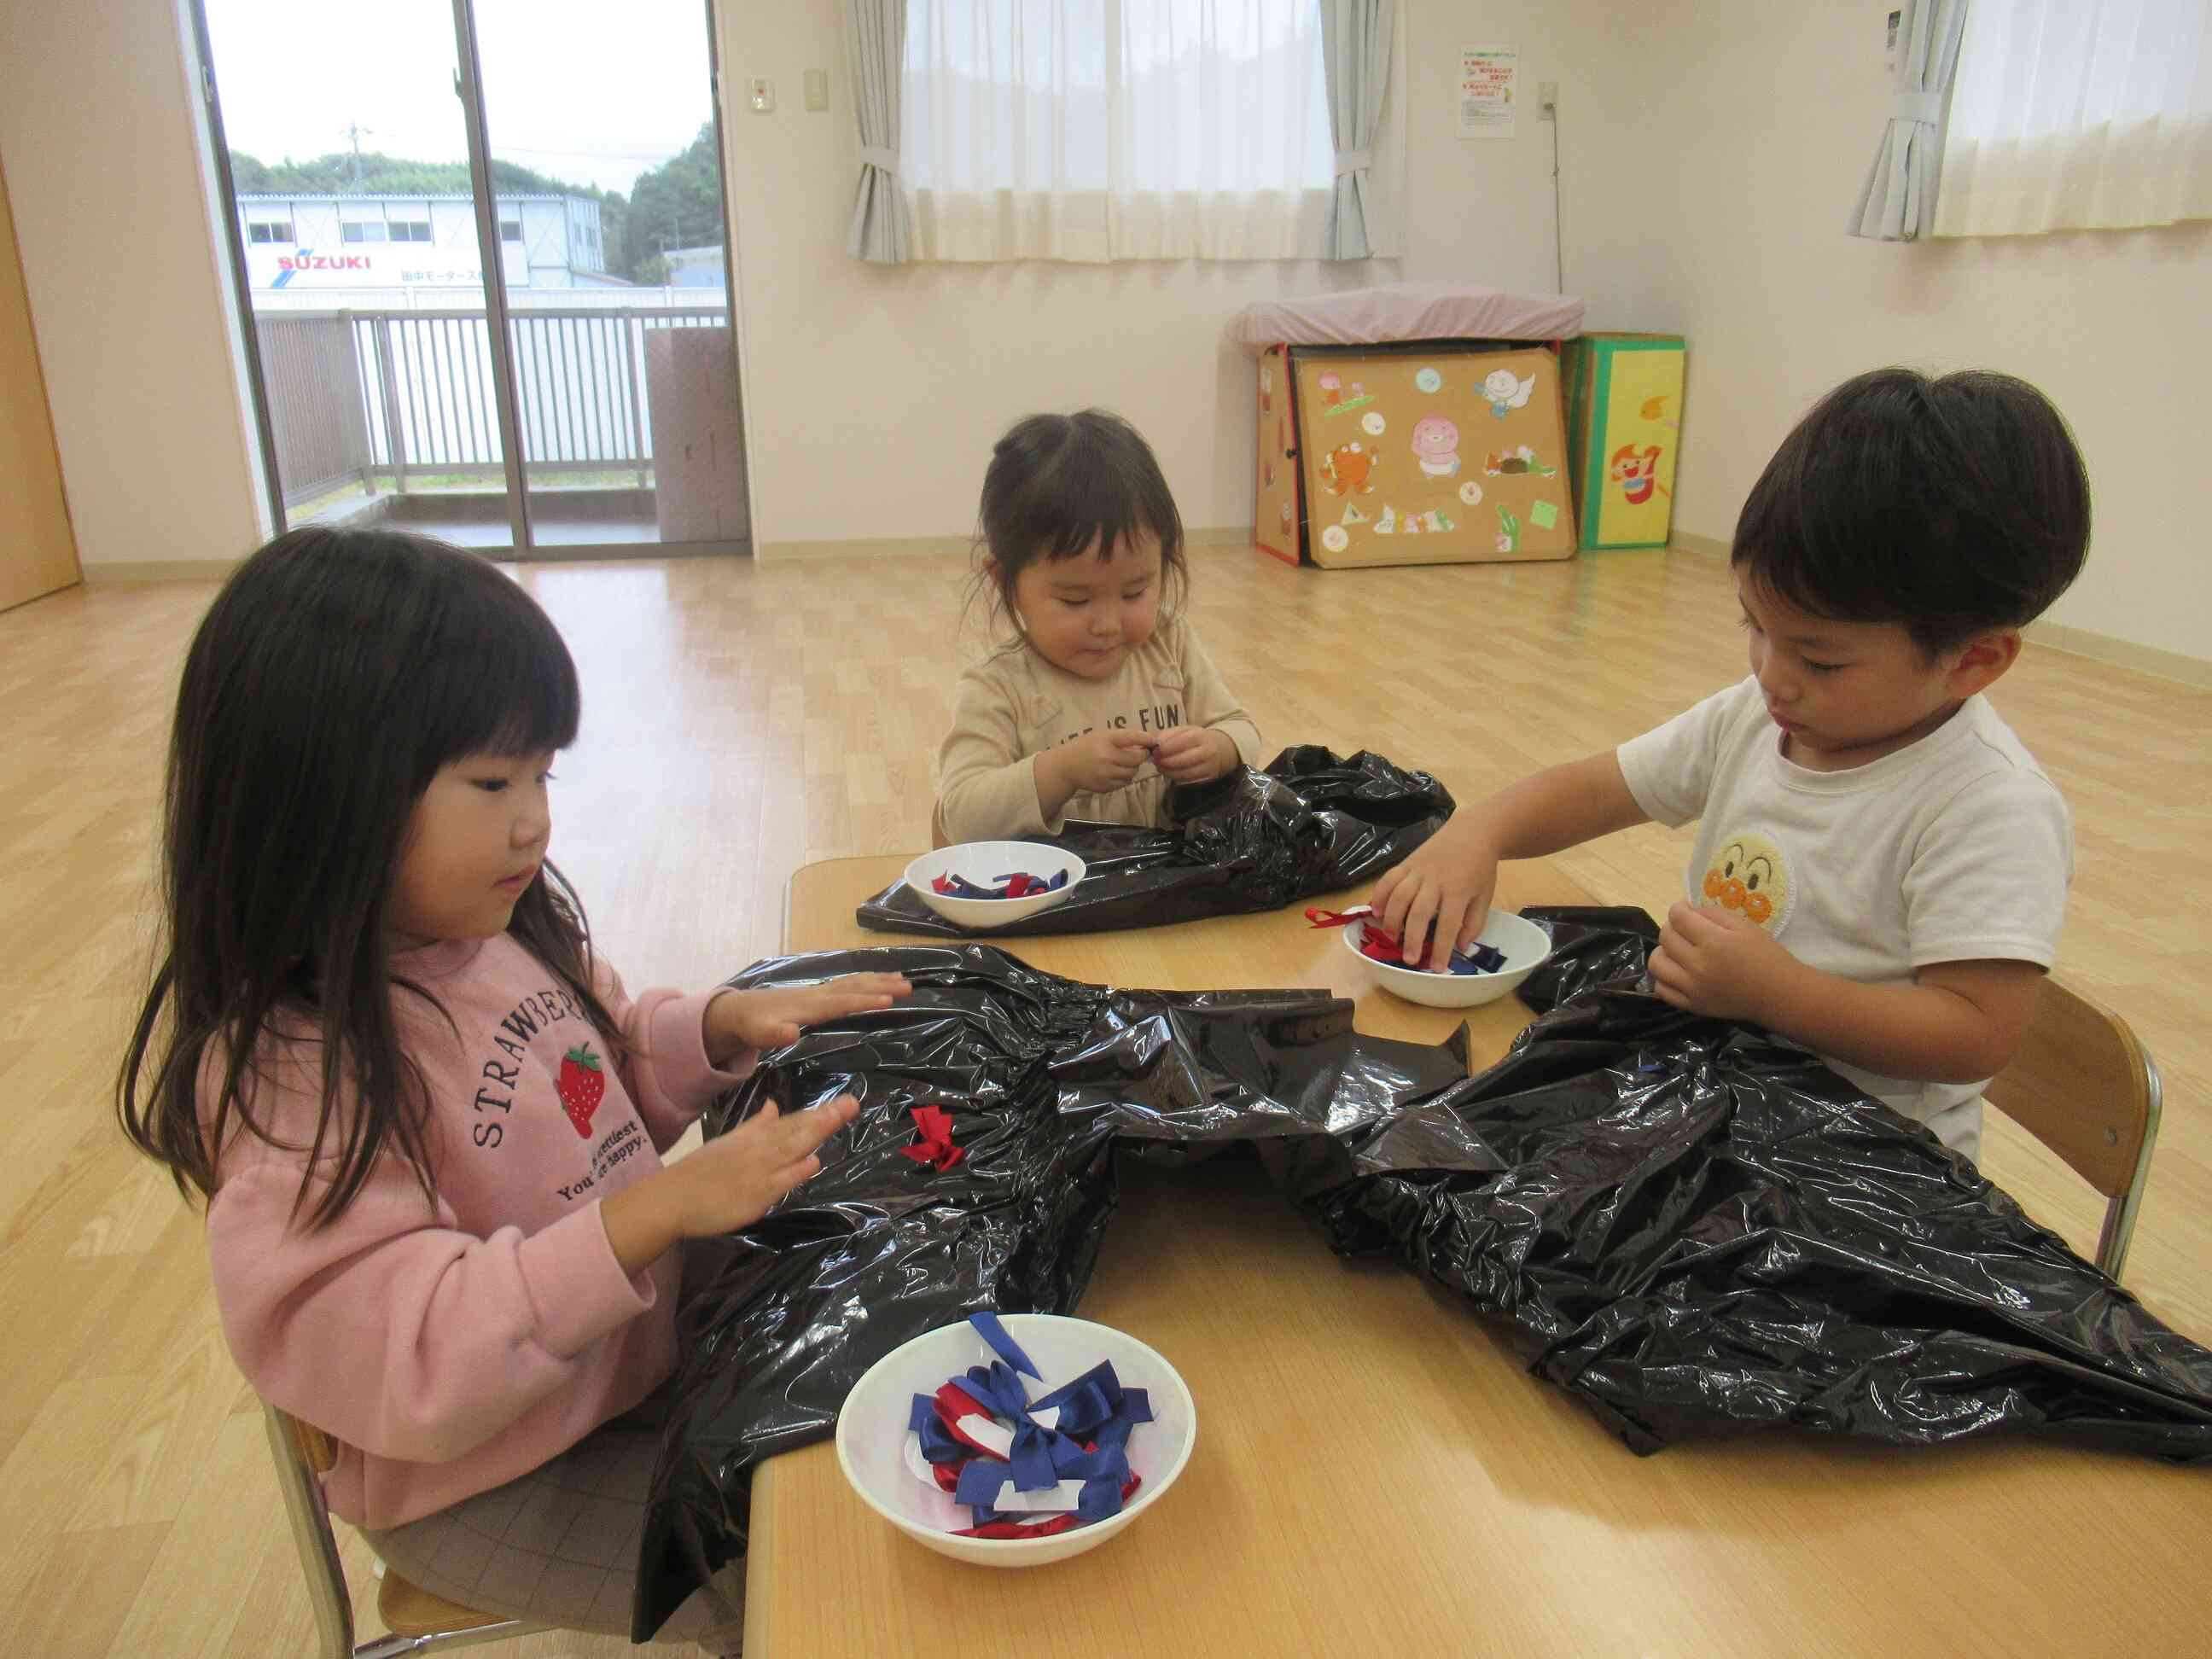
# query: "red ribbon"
{"points": [[1338, 918], [934, 1125]]}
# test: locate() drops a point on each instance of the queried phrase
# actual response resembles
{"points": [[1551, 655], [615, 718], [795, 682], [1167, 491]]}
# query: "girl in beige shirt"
{"points": [[1105, 699]]}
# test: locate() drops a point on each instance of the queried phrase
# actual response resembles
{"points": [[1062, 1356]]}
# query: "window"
{"points": [[1115, 128], [409, 230], [2078, 114], [362, 232], [269, 230], [510, 230]]}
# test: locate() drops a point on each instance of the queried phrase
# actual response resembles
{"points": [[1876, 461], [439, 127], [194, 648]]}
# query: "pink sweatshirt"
{"points": [[454, 1346]]}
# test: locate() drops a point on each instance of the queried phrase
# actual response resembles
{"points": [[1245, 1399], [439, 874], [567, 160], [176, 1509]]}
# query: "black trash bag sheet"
{"points": [[1044, 1078], [1694, 1227], [1250, 841]]}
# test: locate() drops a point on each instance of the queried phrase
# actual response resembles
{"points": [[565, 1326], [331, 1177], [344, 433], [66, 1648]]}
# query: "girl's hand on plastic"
{"points": [[743, 1173], [1103, 760], [730, 1182], [775, 1015], [1447, 883], [1193, 754]]}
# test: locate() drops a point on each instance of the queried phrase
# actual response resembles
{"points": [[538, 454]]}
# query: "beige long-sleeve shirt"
{"points": [[1014, 704]]}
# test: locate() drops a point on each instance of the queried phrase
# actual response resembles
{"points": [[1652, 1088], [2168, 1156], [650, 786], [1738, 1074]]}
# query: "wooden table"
{"points": [[1475, 1509]]}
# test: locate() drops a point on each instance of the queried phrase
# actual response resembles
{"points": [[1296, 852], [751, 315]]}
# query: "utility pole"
{"points": [[353, 132]]}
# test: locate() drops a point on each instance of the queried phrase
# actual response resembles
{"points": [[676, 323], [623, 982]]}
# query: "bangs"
{"points": [[497, 676], [1095, 507]]}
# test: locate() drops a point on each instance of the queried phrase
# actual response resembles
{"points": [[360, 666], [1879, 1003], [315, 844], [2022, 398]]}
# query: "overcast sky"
{"points": [[586, 92]]}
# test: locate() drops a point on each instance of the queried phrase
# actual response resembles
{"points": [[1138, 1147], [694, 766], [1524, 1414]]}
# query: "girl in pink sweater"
{"points": [[427, 1119]]}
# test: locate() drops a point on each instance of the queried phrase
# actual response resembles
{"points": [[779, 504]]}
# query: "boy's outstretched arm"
{"points": [[1958, 1022], [1450, 879]]}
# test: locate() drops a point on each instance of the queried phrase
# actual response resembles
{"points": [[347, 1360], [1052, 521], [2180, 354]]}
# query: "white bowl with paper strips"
{"points": [[872, 1432]]}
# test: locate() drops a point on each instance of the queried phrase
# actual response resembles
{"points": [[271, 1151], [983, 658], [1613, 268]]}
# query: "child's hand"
{"points": [[1100, 760], [730, 1182], [1193, 754], [1448, 881], [774, 1015], [1713, 960]]}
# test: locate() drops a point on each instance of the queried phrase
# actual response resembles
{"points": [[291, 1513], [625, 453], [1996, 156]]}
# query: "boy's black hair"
{"points": [[1058, 484], [1947, 505]]}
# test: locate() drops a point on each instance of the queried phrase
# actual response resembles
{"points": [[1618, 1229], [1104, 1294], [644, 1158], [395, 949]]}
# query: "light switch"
{"points": [[817, 90], [763, 96]]}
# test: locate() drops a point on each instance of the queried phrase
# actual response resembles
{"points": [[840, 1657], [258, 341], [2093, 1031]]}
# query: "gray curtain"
{"points": [[875, 48], [1898, 202], [1355, 44]]}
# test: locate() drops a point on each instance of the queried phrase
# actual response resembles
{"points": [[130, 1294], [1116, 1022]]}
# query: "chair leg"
{"points": [[399, 1647], [318, 1546]]}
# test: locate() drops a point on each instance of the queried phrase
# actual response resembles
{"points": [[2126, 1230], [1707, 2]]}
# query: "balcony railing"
{"points": [[376, 397]]}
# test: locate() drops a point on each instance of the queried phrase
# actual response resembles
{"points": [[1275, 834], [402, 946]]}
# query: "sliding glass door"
{"points": [[482, 246], [626, 382]]}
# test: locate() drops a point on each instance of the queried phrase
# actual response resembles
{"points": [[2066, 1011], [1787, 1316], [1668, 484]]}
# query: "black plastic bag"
{"points": [[1702, 1227], [1043, 1076], [1250, 841], [1692, 1225]]}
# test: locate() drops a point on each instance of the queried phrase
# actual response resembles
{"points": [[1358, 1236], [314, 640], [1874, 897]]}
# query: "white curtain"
{"points": [[1356, 56], [1100, 129], [875, 44], [1897, 204], [2078, 114]]}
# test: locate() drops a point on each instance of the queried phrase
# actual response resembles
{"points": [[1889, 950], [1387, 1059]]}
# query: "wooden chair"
{"points": [[419, 1621], [2084, 1087]]}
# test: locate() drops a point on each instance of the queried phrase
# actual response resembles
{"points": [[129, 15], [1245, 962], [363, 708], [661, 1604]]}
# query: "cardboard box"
{"points": [[1624, 418], [1438, 452]]}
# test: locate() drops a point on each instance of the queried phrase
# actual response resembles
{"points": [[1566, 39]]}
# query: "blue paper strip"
{"points": [[938, 1445], [1000, 1389], [979, 1480], [987, 1327], [1031, 1459], [1101, 1498], [1101, 1375]]}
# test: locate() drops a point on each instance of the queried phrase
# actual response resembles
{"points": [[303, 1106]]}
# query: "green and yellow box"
{"points": [[1624, 426]]}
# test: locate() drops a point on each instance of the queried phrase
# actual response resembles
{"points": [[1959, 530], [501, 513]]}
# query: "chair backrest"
{"points": [[2085, 1086]]}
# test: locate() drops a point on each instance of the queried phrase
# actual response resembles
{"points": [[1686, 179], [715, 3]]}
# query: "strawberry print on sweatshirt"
{"points": [[581, 1083]]}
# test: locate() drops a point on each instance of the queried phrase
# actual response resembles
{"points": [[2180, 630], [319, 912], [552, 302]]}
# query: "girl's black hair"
{"points": [[1949, 506], [1058, 484], [336, 672]]}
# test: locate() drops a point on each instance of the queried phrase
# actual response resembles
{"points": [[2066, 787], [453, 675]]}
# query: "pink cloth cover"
{"points": [[1406, 311]]}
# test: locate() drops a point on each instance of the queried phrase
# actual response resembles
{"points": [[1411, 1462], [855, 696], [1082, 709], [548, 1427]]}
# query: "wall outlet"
{"points": [[763, 96], [817, 90], [1547, 100]]}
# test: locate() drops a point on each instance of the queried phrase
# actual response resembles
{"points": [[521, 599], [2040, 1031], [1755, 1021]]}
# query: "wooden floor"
{"points": [[742, 720]]}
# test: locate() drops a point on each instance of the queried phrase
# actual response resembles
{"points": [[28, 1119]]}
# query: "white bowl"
{"points": [[984, 862], [1525, 944], [872, 1431]]}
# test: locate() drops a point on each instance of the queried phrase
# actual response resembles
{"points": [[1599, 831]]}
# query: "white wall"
{"points": [[1711, 150], [1714, 149], [875, 394], [119, 258]]}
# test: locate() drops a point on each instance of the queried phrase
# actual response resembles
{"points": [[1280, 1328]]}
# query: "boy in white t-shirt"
{"points": [[1880, 868]]}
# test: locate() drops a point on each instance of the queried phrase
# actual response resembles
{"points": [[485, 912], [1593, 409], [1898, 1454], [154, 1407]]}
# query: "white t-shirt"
{"points": [[1955, 849]]}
